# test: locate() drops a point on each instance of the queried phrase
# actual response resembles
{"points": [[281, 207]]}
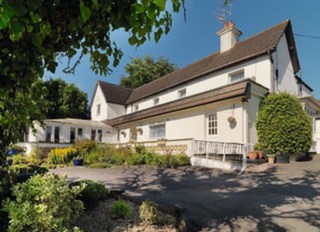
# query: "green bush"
{"points": [[148, 212], [84, 147], [283, 126], [23, 169], [182, 159], [62, 155], [100, 165], [43, 203], [121, 209], [20, 159], [92, 193], [37, 156]]}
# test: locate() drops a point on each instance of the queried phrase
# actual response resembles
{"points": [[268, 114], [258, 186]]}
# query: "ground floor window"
{"points": [[93, 135], [48, 133], [99, 135], [158, 131], [80, 133], [57, 134], [212, 124], [72, 134]]}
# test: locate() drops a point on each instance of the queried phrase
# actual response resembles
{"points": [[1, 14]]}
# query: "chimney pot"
{"points": [[229, 36]]}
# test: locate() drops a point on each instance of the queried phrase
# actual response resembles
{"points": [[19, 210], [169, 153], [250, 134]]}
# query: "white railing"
{"points": [[219, 155]]}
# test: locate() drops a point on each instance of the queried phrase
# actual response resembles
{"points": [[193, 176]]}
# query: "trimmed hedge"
{"points": [[283, 126]]}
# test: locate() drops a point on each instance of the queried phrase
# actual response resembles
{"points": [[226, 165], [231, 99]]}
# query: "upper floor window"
{"points": [[155, 101], [98, 109], [182, 93], [136, 107], [237, 76]]}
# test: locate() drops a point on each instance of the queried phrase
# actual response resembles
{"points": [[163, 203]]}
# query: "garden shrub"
{"points": [[92, 193], [100, 165], [62, 155], [84, 147], [148, 212], [182, 160], [23, 169], [121, 209], [37, 156], [43, 203], [20, 159], [283, 126]]}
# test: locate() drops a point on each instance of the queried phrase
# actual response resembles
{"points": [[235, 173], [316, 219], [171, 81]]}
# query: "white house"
{"points": [[213, 99]]}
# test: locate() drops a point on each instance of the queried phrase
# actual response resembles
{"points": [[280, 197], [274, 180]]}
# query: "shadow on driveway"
{"points": [[273, 200]]}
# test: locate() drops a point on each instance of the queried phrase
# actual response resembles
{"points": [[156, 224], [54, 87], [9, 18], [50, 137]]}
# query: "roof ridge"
{"points": [[116, 85], [264, 31], [262, 42]]}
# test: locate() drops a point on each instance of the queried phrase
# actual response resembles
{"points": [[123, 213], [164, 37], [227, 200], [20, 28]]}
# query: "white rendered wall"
{"points": [[286, 81], [99, 99], [193, 124], [115, 110], [258, 69]]}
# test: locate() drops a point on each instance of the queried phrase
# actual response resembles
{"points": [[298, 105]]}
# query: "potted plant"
{"points": [[253, 155], [259, 150], [271, 158], [78, 161]]}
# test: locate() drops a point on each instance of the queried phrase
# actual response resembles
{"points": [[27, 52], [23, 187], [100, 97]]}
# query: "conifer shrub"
{"points": [[283, 126]]}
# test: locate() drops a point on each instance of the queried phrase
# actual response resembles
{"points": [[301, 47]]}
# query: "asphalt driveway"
{"points": [[281, 197]]}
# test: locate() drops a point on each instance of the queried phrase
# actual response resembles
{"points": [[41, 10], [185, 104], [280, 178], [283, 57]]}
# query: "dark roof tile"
{"points": [[254, 46]]}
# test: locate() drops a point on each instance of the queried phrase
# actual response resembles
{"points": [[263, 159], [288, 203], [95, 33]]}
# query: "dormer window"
{"points": [[155, 101], [182, 93], [237, 76], [136, 107]]}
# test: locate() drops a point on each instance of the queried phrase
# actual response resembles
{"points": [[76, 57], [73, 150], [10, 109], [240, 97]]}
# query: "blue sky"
{"points": [[196, 38]]}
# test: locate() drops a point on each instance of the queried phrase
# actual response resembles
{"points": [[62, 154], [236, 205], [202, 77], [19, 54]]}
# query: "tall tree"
{"points": [[143, 70], [65, 100], [34, 33]]}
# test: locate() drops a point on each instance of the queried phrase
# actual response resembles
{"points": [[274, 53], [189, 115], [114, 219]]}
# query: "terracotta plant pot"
{"points": [[260, 154], [253, 155]]}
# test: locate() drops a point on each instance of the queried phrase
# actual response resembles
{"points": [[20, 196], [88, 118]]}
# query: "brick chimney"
{"points": [[229, 36]]}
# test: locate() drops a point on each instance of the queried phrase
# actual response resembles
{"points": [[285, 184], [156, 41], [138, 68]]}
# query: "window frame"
{"points": [[156, 101], [182, 93], [98, 109], [212, 123], [161, 133], [48, 134], [235, 74]]}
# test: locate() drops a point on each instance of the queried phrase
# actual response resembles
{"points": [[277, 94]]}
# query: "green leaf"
{"points": [[161, 4], [133, 40], [35, 17], [95, 2], [85, 12], [37, 40]]}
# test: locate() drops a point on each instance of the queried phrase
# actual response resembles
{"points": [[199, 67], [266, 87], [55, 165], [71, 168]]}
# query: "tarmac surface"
{"points": [[280, 197]]}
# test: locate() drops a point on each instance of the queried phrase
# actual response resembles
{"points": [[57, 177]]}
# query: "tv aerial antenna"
{"points": [[224, 13]]}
